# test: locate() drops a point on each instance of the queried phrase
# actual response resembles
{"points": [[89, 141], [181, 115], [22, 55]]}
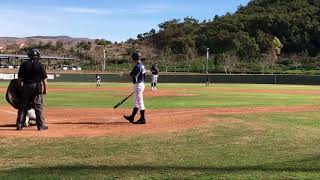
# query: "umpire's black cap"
{"points": [[136, 56]]}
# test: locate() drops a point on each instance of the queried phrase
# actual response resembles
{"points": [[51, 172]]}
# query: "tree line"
{"points": [[264, 36]]}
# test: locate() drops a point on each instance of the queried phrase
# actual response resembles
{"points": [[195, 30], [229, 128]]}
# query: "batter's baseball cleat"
{"points": [[140, 121], [19, 128], [129, 118]]}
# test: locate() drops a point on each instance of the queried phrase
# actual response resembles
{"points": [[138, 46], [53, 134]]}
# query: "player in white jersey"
{"points": [[138, 78], [155, 74]]}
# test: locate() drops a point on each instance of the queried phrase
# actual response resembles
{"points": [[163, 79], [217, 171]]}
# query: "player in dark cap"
{"points": [[138, 78], [33, 79]]}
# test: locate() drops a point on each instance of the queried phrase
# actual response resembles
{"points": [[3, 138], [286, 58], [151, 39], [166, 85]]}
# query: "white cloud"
{"points": [[81, 10], [140, 9], [18, 15], [155, 7], [17, 25]]}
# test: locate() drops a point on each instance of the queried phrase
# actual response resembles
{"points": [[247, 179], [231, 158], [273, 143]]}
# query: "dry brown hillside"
{"points": [[88, 53]]}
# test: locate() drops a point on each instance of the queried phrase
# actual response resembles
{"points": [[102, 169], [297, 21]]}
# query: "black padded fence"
{"points": [[178, 78], [215, 78]]}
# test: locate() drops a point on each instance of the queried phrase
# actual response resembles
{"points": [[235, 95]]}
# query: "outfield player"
{"points": [[98, 81], [155, 74], [207, 82], [138, 78]]}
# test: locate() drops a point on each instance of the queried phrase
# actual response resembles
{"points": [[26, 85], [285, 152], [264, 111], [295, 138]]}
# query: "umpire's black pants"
{"points": [[31, 99]]}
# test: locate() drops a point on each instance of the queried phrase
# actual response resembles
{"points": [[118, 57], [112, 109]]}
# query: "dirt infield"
{"points": [[109, 122]]}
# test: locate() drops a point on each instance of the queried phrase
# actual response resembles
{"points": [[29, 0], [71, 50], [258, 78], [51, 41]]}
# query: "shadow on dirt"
{"points": [[8, 126], [90, 123]]}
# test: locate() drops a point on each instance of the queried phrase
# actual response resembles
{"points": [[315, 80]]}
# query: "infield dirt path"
{"points": [[109, 122]]}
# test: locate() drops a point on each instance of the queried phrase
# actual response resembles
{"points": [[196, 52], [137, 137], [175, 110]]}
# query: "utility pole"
{"points": [[104, 60], [207, 67]]}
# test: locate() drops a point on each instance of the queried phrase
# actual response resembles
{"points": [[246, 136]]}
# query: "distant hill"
{"points": [[7, 41], [87, 52]]}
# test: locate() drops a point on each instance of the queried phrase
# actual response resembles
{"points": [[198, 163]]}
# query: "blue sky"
{"points": [[115, 20]]}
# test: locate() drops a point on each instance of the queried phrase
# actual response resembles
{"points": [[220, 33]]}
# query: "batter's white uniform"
{"points": [[138, 96], [138, 75]]}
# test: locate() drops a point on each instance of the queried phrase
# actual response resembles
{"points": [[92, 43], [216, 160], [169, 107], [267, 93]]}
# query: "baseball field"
{"points": [[226, 131]]}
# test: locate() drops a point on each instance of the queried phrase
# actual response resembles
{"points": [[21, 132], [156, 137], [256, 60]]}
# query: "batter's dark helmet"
{"points": [[136, 56], [34, 54]]}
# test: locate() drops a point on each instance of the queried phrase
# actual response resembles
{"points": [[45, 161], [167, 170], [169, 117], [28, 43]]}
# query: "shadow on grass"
{"points": [[74, 169], [299, 168]]}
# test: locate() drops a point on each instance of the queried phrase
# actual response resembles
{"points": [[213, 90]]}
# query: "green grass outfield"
{"points": [[202, 97], [239, 146]]}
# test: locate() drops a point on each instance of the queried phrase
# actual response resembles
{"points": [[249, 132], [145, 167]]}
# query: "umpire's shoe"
{"points": [[19, 128], [43, 128]]}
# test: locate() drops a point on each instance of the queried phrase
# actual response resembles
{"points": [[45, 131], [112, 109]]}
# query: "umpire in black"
{"points": [[33, 79]]}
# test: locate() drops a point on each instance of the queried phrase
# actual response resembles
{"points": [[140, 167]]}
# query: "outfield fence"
{"points": [[187, 78]]}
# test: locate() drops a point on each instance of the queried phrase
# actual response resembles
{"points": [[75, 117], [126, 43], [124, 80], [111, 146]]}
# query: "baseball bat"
{"points": [[121, 102]]}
